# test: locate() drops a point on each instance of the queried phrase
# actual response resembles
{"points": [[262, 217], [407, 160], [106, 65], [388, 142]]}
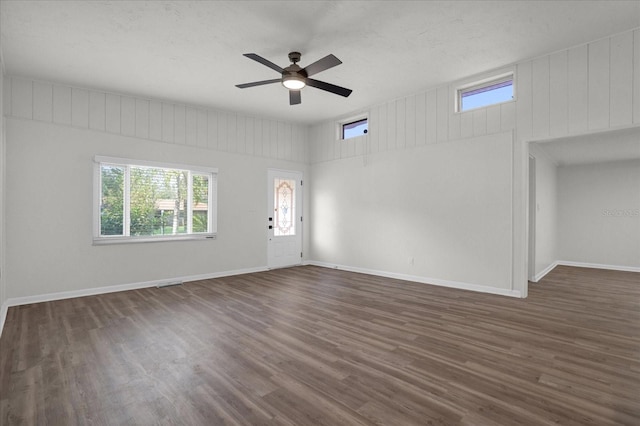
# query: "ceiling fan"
{"points": [[295, 78]]}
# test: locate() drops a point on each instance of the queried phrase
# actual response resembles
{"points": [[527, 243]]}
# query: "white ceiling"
{"points": [[608, 146], [191, 51]]}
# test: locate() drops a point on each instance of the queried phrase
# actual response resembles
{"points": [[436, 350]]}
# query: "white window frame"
{"points": [[212, 174], [490, 80], [346, 121]]}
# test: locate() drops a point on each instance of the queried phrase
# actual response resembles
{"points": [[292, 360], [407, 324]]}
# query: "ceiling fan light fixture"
{"points": [[293, 82], [295, 78]]}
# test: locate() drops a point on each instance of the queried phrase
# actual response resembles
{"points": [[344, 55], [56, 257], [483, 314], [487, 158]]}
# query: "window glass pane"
{"points": [[147, 202], [357, 128], [486, 95], [112, 200], [158, 201], [284, 206], [200, 203]]}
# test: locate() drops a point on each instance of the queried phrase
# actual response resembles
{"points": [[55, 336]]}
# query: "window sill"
{"points": [[100, 241]]}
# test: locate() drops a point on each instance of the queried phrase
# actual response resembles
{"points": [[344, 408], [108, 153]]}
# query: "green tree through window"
{"points": [[112, 203], [161, 201]]}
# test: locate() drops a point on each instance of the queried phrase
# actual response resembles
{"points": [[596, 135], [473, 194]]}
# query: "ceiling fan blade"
{"points": [[264, 61], [258, 83], [329, 87], [325, 63], [294, 97]]}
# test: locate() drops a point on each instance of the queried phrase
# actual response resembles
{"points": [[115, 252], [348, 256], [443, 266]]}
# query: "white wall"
{"points": [[546, 212], [599, 213], [439, 213], [53, 133], [3, 293], [587, 88]]}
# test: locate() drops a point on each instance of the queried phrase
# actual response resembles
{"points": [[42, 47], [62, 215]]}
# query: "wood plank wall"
{"points": [[591, 87], [154, 120]]}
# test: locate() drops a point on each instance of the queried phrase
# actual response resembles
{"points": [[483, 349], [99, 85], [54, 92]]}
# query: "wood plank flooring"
{"points": [[314, 346]]}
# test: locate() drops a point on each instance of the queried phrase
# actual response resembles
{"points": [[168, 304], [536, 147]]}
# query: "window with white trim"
{"points": [[140, 201], [488, 92]]}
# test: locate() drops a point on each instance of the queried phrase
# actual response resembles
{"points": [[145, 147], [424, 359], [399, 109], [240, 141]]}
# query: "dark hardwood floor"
{"points": [[314, 346]]}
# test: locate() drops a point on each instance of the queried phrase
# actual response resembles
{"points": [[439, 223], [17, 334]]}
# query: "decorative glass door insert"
{"points": [[284, 207]]}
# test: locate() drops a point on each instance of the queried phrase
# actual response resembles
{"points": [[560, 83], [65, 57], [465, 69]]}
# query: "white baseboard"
{"points": [[549, 268], [17, 301], [599, 266], [544, 272], [420, 279]]}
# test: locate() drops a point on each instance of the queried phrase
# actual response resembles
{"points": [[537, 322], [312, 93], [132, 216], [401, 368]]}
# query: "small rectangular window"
{"points": [[142, 201], [487, 93], [354, 128]]}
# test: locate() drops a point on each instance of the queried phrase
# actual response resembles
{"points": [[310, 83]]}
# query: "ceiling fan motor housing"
{"points": [[294, 71]]}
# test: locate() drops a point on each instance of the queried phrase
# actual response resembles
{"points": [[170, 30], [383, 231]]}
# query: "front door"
{"points": [[284, 218]]}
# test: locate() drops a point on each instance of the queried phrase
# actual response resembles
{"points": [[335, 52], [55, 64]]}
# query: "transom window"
{"points": [[354, 128], [494, 91], [138, 201]]}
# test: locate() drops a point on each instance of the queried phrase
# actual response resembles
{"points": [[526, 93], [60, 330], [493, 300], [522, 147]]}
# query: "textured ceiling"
{"points": [[191, 51]]}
